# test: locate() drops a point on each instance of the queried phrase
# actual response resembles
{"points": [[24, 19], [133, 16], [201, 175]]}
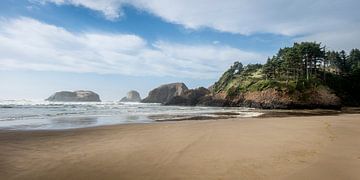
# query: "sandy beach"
{"points": [[315, 147]]}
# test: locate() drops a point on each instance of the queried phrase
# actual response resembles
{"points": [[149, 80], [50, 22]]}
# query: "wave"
{"points": [[45, 114]]}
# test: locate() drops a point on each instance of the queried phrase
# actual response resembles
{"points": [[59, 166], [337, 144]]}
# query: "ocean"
{"points": [[44, 115]]}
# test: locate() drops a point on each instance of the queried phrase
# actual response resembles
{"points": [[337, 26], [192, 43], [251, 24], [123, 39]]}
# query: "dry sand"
{"points": [[322, 147]]}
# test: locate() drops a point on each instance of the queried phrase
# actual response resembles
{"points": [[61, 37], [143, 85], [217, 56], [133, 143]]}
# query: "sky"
{"points": [[114, 46]]}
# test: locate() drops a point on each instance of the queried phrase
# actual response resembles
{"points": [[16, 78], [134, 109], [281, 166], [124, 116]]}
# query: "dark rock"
{"points": [[132, 96], [76, 96], [189, 98], [322, 98], [165, 92], [211, 101], [211, 88], [273, 99]]}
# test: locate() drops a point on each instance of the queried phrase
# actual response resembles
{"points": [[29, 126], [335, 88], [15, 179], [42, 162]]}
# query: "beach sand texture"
{"points": [[317, 147]]}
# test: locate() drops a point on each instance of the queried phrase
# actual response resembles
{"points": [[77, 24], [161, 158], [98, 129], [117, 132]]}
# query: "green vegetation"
{"points": [[300, 68]]}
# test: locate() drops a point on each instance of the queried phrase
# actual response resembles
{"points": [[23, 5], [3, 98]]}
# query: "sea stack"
{"points": [[164, 93], [132, 96], [76, 96]]}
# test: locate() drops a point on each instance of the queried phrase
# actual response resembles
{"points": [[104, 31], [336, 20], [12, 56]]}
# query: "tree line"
{"points": [[309, 60]]}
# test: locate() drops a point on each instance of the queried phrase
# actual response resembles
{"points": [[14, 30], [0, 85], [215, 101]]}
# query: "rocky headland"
{"points": [[304, 76]]}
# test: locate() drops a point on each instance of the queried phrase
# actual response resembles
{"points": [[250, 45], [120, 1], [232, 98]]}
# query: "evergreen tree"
{"points": [[354, 59]]}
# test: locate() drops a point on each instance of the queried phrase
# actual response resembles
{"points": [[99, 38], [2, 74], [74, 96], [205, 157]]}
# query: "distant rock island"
{"points": [[164, 93], [76, 96], [132, 96]]}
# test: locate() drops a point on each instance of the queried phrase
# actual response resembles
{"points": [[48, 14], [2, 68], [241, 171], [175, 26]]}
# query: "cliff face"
{"points": [[164, 93], [266, 99], [76, 96], [273, 99], [248, 87]]}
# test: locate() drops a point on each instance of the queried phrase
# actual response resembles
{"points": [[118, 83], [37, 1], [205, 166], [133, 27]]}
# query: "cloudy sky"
{"points": [[113, 46]]}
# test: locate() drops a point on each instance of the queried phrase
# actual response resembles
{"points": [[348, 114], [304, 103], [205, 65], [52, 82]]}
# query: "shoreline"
{"points": [[320, 147], [78, 120]]}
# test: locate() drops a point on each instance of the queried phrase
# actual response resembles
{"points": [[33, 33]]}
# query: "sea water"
{"points": [[44, 115]]}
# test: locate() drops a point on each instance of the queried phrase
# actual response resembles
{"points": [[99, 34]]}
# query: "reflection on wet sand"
{"points": [[73, 121], [258, 113], [308, 112]]}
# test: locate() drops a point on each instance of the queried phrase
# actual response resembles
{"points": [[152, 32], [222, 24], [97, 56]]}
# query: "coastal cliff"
{"points": [[247, 86], [271, 98], [303, 76]]}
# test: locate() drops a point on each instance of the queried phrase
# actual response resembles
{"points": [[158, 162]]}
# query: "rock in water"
{"points": [[189, 98], [165, 92], [76, 96], [132, 96]]}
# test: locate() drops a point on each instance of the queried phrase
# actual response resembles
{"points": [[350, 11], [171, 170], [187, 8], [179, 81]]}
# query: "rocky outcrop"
{"points": [[267, 99], [216, 100], [274, 99], [165, 92], [76, 96], [189, 98], [132, 96]]}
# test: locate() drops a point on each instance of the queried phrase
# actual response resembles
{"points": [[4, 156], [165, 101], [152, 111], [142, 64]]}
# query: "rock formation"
{"points": [[165, 92], [76, 96], [273, 99], [266, 99], [132, 96], [189, 97]]}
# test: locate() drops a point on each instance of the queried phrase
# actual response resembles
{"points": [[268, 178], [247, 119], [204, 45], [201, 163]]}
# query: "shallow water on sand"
{"points": [[43, 115]]}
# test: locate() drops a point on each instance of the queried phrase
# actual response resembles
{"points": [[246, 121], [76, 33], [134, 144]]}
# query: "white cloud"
{"points": [[319, 19], [343, 39], [29, 44], [110, 8]]}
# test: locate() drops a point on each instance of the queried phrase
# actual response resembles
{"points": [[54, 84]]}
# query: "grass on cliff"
{"points": [[252, 79]]}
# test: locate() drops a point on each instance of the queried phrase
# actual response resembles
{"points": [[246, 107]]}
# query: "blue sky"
{"points": [[113, 46]]}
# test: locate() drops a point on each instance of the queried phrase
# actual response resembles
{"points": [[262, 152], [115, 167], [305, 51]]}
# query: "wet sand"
{"points": [[313, 147]]}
